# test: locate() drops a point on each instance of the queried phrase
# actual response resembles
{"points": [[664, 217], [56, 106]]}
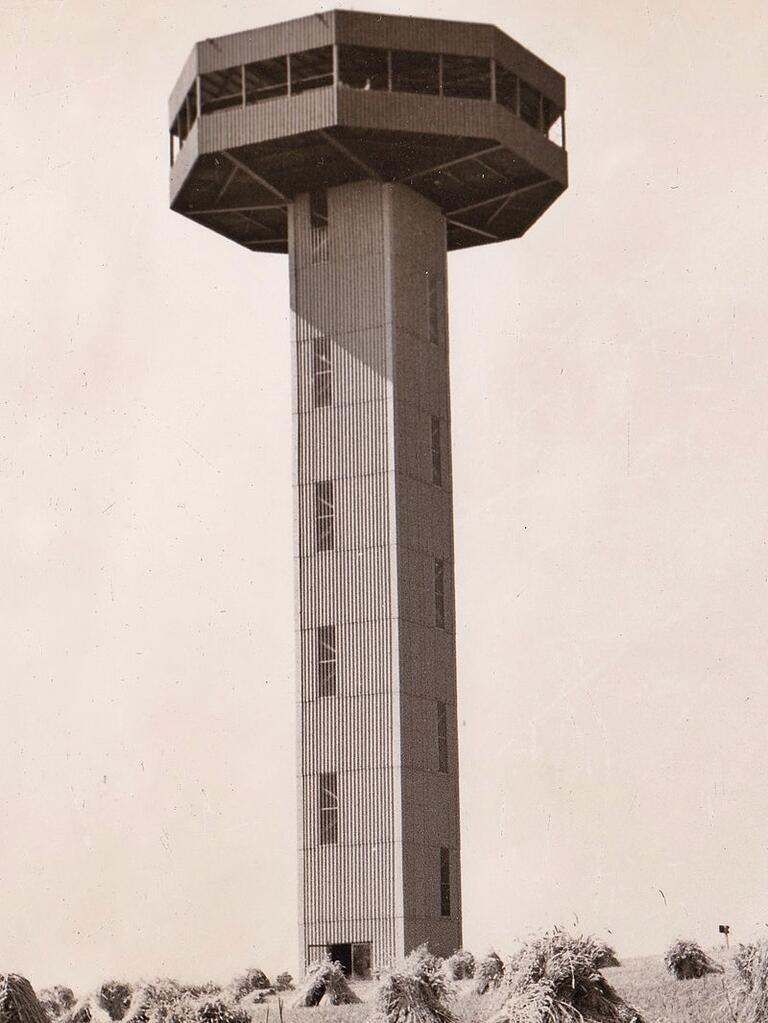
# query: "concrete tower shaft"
{"points": [[378, 755]]}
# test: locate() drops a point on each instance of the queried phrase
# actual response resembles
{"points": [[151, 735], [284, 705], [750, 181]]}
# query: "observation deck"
{"points": [[459, 112]]}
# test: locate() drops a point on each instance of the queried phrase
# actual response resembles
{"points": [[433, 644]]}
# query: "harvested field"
{"points": [[644, 983]]}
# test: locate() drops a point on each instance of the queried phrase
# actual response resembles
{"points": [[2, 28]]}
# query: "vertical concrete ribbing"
{"points": [[369, 299]]}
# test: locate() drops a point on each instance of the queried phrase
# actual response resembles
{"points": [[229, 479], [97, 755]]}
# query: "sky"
{"points": [[609, 379]]}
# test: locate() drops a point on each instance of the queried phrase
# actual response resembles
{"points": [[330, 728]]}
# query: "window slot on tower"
{"points": [[221, 89], [318, 226], [433, 307], [416, 72], [439, 570], [445, 881], [322, 372], [265, 79], [311, 69], [324, 515], [442, 738], [329, 809], [437, 452], [326, 660], [363, 67], [466, 77]]}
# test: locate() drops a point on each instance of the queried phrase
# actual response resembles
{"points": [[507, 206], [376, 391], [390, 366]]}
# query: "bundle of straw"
{"points": [[686, 960], [205, 1008], [251, 980], [57, 1001], [88, 1010], [556, 979], [18, 1002], [414, 991], [461, 965], [324, 982], [115, 998], [490, 973], [154, 1001], [752, 964]]}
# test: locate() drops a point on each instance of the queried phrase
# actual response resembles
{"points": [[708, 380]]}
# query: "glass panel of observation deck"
{"points": [[416, 72], [265, 79], [221, 89], [506, 88], [364, 67], [466, 77], [311, 69], [530, 103]]}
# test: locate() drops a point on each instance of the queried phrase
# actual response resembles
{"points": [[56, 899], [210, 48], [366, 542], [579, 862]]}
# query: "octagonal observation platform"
{"points": [[459, 112]]}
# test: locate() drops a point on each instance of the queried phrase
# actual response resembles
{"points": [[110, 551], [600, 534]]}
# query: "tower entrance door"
{"points": [[342, 954], [355, 958]]}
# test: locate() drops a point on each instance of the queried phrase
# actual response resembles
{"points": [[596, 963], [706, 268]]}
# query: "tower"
{"points": [[366, 147]]}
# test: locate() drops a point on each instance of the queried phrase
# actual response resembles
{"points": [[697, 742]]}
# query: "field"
{"points": [[646, 985], [643, 983]]}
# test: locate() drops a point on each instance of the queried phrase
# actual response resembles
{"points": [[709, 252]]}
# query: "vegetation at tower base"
{"points": [[489, 973], [167, 1001], [324, 984], [751, 962], [284, 982], [18, 1002], [115, 998], [414, 991], [252, 980], [556, 978], [57, 1001], [686, 960], [461, 965]]}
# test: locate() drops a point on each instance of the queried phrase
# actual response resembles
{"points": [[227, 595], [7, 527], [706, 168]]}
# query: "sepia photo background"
{"points": [[610, 442]]}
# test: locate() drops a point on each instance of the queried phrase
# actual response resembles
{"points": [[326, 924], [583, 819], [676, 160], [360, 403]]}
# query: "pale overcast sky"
{"points": [[609, 375]]}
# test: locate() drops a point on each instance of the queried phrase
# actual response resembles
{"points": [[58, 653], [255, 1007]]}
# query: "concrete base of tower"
{"points": [[379, 851]]}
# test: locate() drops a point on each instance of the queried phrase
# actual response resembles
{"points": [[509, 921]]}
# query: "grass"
{"points": [[643, 983], [647, 984]]}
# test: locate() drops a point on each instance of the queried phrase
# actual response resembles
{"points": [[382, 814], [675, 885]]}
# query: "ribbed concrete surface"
{"points": [[380, 882]]}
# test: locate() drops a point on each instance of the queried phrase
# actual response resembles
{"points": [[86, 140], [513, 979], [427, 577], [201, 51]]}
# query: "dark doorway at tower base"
{"points": [[355, 958]]}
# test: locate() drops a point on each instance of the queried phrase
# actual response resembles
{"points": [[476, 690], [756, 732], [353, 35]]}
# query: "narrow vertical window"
{"points": [[433, 308], [329, 809], [322, 375], [445, 881], [318, 226], [442, 738], [324, 515], [326, 660], [439, 593], [437, 452]]}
